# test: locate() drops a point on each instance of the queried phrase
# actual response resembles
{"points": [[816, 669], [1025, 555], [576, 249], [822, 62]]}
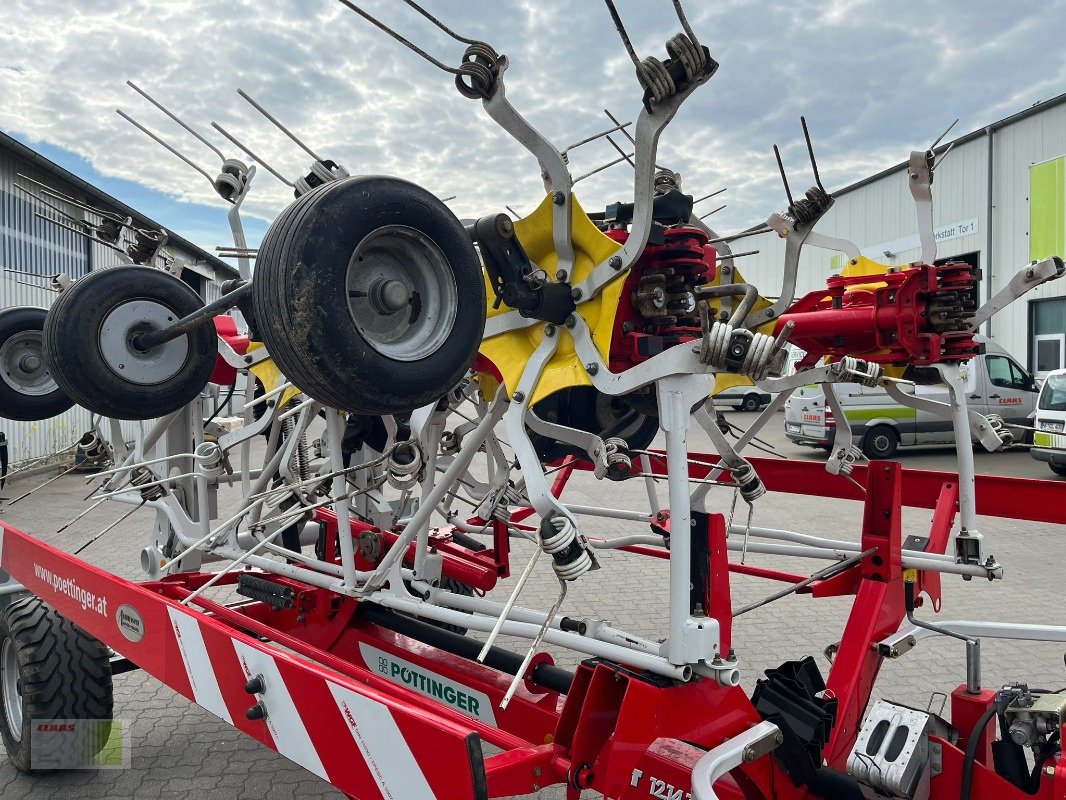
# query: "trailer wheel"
{"points": [[880, 442], [89, 343], [370, 296], [751, 403], [49, 670], [1058, 470], [27, 389]]}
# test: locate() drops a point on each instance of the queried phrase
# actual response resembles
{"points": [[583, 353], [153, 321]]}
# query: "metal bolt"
{"points": [[560, 274], [558, 198], [769, 312], [592, 368], [779, 737], [549, 330], [571, 321], [247, 359], [518, 397], [615, 262], [1029, 273], [536, 772], [576, 294], [1049, 770], [749, 754]]}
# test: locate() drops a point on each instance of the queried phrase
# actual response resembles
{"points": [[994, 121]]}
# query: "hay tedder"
{"points": [[328, 611]]}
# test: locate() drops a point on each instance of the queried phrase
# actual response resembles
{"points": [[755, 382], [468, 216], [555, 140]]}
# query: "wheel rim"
{"points": [[22, 364], [144, 368], [11, 689], [402, 295], [611, 410], [882, 443]]}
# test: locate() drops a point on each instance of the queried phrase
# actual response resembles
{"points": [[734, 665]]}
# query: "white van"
{"points": [[1049, 441], [995, 384]]}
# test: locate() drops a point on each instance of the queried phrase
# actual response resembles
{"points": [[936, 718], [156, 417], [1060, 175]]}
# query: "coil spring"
{"points": [[109, 230], [145, 246], [143, 475], [690, 54], [230, 181], [91, 447], [866, 373], [619, 462], [748, 482], [450, 442], [655, 79], [210, 460], [558, 538], [480, 66], [299, 461], [848, 457], [404, 464], [737, 350], [809, 208], [999, 426]]}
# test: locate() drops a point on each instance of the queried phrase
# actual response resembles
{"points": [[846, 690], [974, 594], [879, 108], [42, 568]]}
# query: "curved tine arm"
{"points": [[795, 236], [729, 455], [743, 748], [589, 442], [920, 178], [842, 436], [979, 425], [1027, 278], [833, 243], [236, 225], [550, 159], [650, 125]]}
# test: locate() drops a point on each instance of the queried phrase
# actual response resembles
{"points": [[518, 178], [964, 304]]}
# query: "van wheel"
{"points": [[1058, 470], [880, 442], [751, 403]]}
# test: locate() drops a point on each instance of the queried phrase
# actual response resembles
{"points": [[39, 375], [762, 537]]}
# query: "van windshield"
{"points": [[1053, 395]]}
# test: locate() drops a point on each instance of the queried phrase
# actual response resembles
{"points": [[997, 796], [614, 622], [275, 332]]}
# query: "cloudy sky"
{"points": [[875, 79]]}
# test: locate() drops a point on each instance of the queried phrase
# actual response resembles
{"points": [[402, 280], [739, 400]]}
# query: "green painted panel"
{"points": [[887, 412], [1047, 209]]}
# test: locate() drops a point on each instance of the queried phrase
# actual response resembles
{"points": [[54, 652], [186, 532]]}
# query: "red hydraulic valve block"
{"points": [[918, 316], [657, 308]]}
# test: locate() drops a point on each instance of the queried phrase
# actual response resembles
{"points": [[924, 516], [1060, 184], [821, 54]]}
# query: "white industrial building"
{"points": [[999, 202], [41, 235]]}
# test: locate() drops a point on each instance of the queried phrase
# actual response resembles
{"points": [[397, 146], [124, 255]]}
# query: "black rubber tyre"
{"points": [[86, 342], [1058, 470], [751, 402], [880, 442], [63, 674], [28, 391], [373, 351]]}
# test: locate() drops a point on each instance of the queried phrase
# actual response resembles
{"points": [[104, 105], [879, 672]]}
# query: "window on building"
{"points": [[1047, 333]]}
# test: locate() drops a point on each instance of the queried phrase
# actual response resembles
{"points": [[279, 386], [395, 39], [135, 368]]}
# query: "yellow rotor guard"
{"points": [[270, 376]]}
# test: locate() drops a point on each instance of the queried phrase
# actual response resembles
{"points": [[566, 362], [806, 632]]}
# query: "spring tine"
{"points": [[174, 117], [164, 143], [741, 235], [252, 155], [449, 198], [939, 161], [781, 169], [45, 203], [97, 504], [278, 125], [595, 136], [31, 274], [112, 526], [439, 24], [602, 167], [945, 133], [709, 213], [621, 152], [50, 480], [73, 201], [684, 22], [621, 28], [514, 213], [709, 196], [810, 152], [520, 675], [405, 42]]}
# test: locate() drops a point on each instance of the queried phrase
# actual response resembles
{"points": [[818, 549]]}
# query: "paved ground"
{"points": [[182, 752]]}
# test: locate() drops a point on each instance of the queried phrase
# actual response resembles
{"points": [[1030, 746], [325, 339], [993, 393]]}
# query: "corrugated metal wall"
{"points": [[882, 213], [32, 242]]}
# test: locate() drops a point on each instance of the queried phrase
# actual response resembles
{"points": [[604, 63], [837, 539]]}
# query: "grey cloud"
{"points": [[875, 78]]}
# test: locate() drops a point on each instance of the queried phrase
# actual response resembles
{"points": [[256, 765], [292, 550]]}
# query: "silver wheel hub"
{"points": [[401, 293], [149, 367], [22, 365], [11, 689]]}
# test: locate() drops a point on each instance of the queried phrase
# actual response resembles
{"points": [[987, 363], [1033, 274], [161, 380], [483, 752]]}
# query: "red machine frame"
{"points": [[381, 715]]}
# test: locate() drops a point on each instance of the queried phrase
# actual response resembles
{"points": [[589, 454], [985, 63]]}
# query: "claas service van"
{"points": [[995, 384]]}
